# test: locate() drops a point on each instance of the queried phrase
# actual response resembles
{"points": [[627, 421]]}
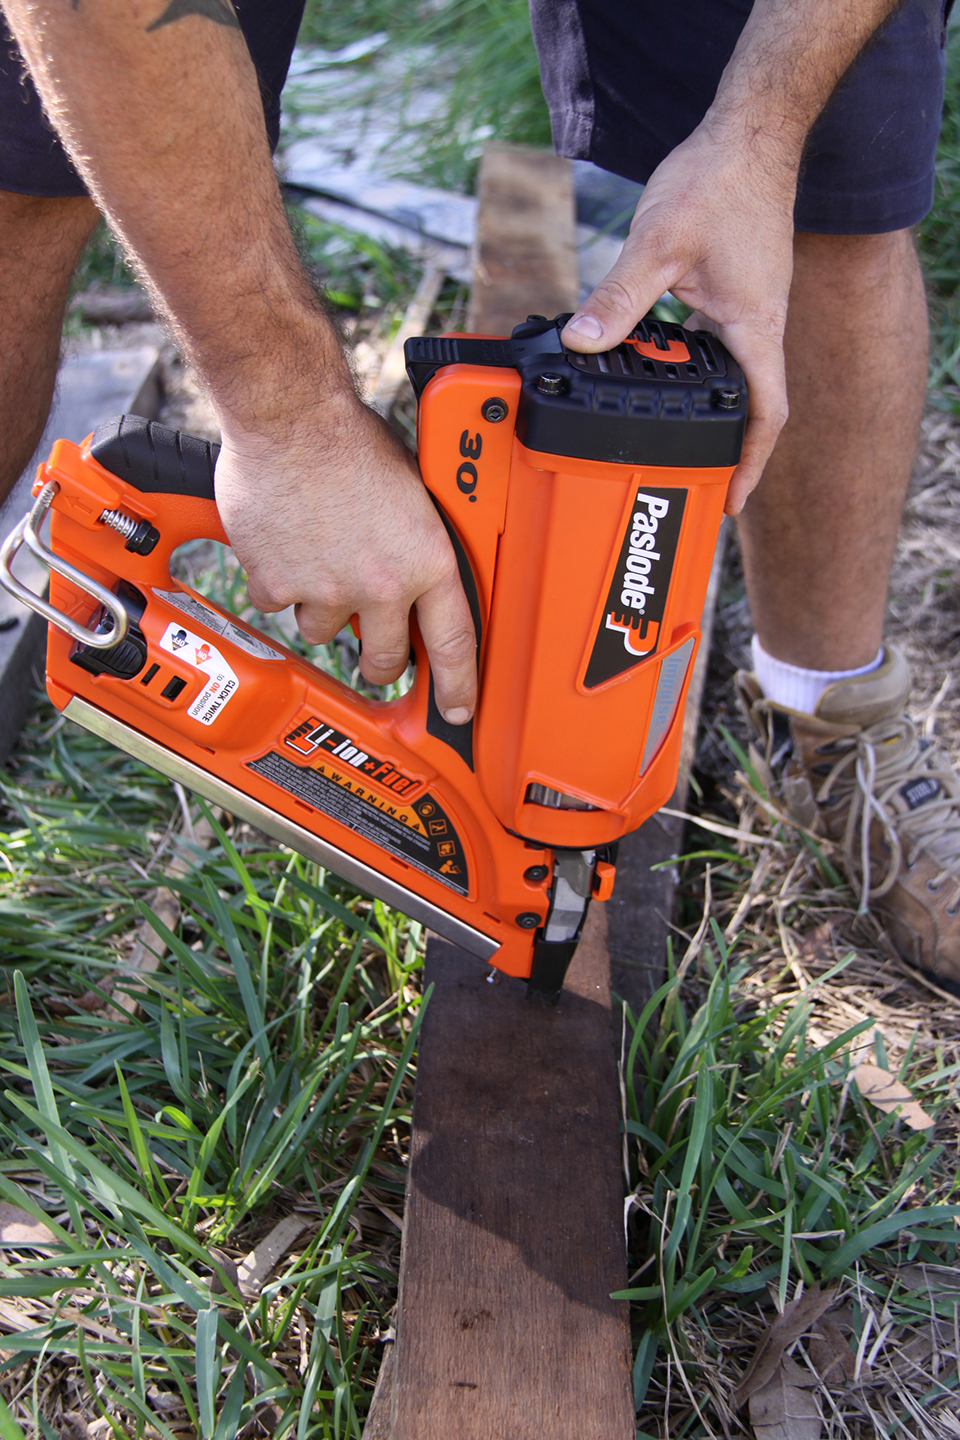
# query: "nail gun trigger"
{"points": [[458, 737]]}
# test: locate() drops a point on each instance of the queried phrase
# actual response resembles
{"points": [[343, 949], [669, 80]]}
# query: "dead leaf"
{"points": [[255, 1267], [19, 1228], [888, 1094], [937, 1279], [937, 1337], [830, 1353], [150, 947], [784, 1409], [73, 1426], [229, 1266], [795, 1321]]}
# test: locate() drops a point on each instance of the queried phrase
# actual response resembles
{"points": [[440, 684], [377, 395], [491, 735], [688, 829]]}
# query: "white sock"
{"points": [[795, 687]]}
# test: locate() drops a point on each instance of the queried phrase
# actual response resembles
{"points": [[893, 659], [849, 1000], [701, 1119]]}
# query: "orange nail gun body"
{"points": [[583, 495]]}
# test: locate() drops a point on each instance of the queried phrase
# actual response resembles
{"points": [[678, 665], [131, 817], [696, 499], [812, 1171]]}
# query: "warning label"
{"points": [[420, 833], [222, 683], [314, 735], [219, 624]]}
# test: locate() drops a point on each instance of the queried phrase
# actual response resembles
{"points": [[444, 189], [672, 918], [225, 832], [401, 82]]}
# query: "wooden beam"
{"points": [[513, 1229], [525, 259], [393, 372]]}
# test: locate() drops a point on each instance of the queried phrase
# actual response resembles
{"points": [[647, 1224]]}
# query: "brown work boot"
{"points": [[860, 755]]}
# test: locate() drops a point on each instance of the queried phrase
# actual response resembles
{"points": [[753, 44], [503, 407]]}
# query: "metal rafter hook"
{"points": [[27, 533]]}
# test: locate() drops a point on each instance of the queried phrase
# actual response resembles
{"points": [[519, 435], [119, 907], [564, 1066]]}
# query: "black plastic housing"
{"points": [[617, 406], [126, 659]]}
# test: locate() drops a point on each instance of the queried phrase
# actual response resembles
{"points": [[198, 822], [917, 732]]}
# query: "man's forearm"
{"points": [[159, 106], [789, 59]]}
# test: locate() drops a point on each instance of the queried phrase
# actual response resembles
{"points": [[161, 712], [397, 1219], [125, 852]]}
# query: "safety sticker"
{"points": [[420, 833], [629, 629], [219, 624], [222, 683]]}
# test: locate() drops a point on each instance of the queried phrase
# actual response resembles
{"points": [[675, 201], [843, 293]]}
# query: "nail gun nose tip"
{"points": [[457, 716]]}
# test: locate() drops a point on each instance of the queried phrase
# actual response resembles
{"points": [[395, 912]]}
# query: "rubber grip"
{"points": [[156, 460]]}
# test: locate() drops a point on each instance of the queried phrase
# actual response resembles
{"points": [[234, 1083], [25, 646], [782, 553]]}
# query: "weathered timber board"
{"points": [[513, 1235], [525, 259]]}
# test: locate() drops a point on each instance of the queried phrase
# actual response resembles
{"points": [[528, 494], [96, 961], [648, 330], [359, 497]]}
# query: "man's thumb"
{"points": [[622, 298]]}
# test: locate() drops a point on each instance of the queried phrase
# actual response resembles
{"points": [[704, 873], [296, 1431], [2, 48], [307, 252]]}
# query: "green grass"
{"points": [[757, 1165], [265, 1074], [481, 50], [939, 236], [354, 271]]}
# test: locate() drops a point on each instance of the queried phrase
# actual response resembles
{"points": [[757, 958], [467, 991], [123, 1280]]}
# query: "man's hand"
{"points": [[337, 513], [715, 222], [721, 239]]}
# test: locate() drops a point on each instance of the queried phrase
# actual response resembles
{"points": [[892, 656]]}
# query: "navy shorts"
{"points": [[628, 80], [32, 160]]}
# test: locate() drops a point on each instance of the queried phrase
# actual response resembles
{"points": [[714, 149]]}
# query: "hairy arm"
{"points": [[158, 103], [715, 222]]}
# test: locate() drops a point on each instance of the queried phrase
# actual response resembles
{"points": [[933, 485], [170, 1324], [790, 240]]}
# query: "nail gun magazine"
{"points": [[583, 495]]}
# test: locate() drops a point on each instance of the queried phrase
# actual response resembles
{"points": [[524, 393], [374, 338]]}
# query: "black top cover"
{"points": [[620, 405]]}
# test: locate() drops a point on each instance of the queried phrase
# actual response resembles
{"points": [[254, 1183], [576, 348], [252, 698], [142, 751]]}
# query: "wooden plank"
{"points": [[513, 1228], [640, 911], [393, 372], [380, 1415], [525, 259], [513, 1235]]}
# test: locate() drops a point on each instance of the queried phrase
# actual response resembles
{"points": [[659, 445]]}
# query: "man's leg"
{"points": [[818, 533], [40, 243], [818, 537]]}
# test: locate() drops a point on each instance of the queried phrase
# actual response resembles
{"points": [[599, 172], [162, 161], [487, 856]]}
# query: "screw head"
{"points": [[550, 384], [535, 874], [528, 921], [144, 539], [494, 410], [728, 399]]}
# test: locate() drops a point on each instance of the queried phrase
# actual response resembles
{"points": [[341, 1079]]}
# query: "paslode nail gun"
{"points": [[583, 495]]}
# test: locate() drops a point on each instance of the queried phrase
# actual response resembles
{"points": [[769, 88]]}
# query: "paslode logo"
{"points": [[638, 577], [467, 473], [637, 639], [631, 628]]}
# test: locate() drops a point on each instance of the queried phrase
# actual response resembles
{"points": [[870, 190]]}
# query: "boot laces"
{"points": [[873, 768]]}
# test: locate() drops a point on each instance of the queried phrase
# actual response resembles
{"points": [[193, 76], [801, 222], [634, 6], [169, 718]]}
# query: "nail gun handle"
{"points": [[155, 460], [166, 496]]}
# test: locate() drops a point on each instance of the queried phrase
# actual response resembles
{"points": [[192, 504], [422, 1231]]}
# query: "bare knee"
{"points": [[854, 265]]}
